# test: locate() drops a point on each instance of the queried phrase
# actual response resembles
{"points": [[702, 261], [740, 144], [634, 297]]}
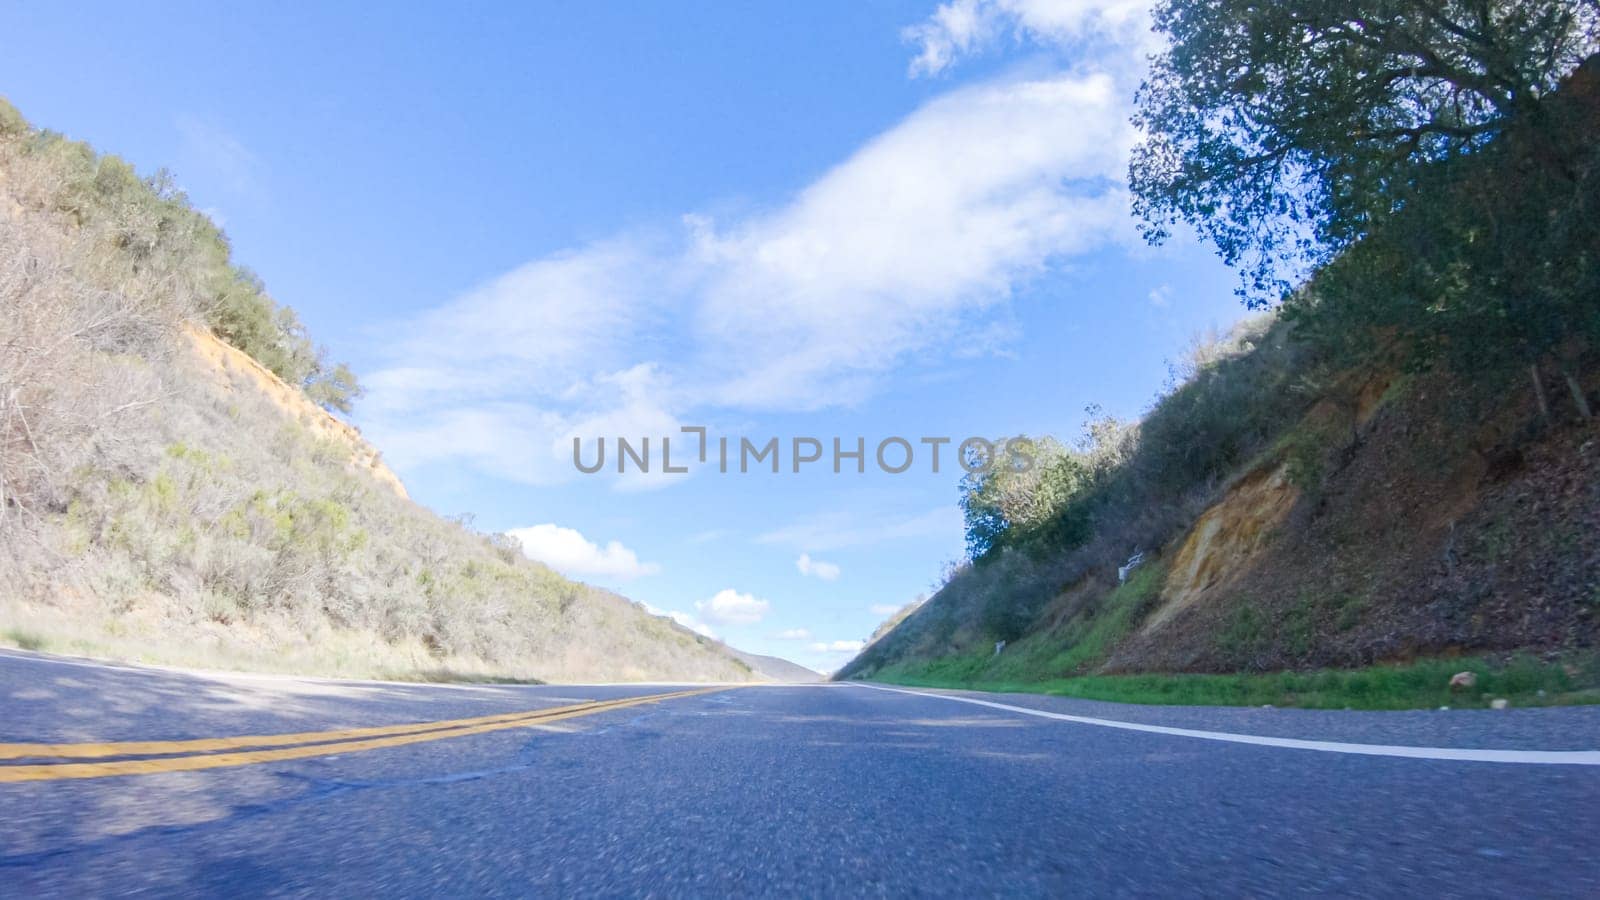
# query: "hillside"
{"points": [[776, 669], [1408, 517], [1400, 465], [176, 490]]}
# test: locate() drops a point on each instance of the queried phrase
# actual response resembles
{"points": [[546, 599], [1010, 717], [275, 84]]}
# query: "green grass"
{"points": [[1075, 648], [1420, 685], [24, 639]]}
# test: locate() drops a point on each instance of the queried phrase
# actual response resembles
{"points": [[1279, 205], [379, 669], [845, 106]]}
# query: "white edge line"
{"points": [[1521, 757]]}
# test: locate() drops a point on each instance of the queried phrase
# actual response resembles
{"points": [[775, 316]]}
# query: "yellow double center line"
{"points": [[189, 756]]}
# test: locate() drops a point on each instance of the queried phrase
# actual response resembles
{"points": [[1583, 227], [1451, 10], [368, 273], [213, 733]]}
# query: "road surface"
{"points": [[818, 790]]}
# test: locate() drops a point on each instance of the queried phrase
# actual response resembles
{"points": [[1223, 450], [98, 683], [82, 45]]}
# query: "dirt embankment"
{"points": [[233, 369], [1431, 523], [1225, 541]]}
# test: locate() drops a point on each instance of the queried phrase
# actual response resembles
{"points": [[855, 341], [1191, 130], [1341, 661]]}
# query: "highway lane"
{"points": [[796, 791]]}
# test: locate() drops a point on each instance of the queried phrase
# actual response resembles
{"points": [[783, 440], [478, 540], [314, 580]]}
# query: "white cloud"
{"points": [[687, 620], [884, 609], [912, 239], [729, 607], [953, 30], [543, 323], [570, 553], [1161, 296], [816, 568], [963, 27], [794, 634], [838, 646], [915, 240], [505, 375]]}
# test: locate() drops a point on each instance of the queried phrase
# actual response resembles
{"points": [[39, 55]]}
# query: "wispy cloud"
{"points": [[838, 647], [924, 229], [793, 634], [965, 27], [919, 236], [224, 157], [833, 531], [504, 375]]}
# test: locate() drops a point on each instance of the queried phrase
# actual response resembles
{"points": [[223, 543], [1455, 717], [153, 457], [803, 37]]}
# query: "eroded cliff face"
{"points": [[1443, 525], [1230, 539], [1399, 515], [1225, 540], [232, 370]]}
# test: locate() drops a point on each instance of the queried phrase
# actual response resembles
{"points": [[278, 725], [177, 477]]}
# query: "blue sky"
{"points": [[523, 223]]}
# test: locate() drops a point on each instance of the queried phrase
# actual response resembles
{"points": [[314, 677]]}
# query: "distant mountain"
{"points": [[777, 669]]}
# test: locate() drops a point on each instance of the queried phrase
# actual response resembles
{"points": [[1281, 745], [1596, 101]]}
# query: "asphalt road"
{"points": [[825, 790]]}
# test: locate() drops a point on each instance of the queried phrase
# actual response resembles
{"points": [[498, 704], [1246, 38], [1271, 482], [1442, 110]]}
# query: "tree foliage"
{"points": [[1124, 485], [1284, 131], [1498, 263], [1008, 497]]}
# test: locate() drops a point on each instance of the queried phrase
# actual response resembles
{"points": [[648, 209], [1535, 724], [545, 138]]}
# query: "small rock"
{"points": [[1444, 709], [1541, 692], [1499, 703], [1463, 681]]}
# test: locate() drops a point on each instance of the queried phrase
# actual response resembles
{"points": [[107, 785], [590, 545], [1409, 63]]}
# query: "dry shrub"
{"points": [[147, 509]]}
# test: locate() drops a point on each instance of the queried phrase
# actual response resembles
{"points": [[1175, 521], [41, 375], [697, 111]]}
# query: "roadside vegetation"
{"points": [[1398, 457], [895, 618], [160, 504], [165, 241], [1520, 681]]}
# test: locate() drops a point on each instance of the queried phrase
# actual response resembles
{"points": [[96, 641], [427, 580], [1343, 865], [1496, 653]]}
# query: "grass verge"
{"points": [[1523, 681], [23, 639]]}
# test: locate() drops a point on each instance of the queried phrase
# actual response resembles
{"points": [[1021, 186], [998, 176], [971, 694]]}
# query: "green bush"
{"points": [[165, 238], [1081, 511]]}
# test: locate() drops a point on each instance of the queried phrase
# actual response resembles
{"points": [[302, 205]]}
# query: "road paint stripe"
{"points": [[196, 762], [163, 748], [1521, 757]]}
